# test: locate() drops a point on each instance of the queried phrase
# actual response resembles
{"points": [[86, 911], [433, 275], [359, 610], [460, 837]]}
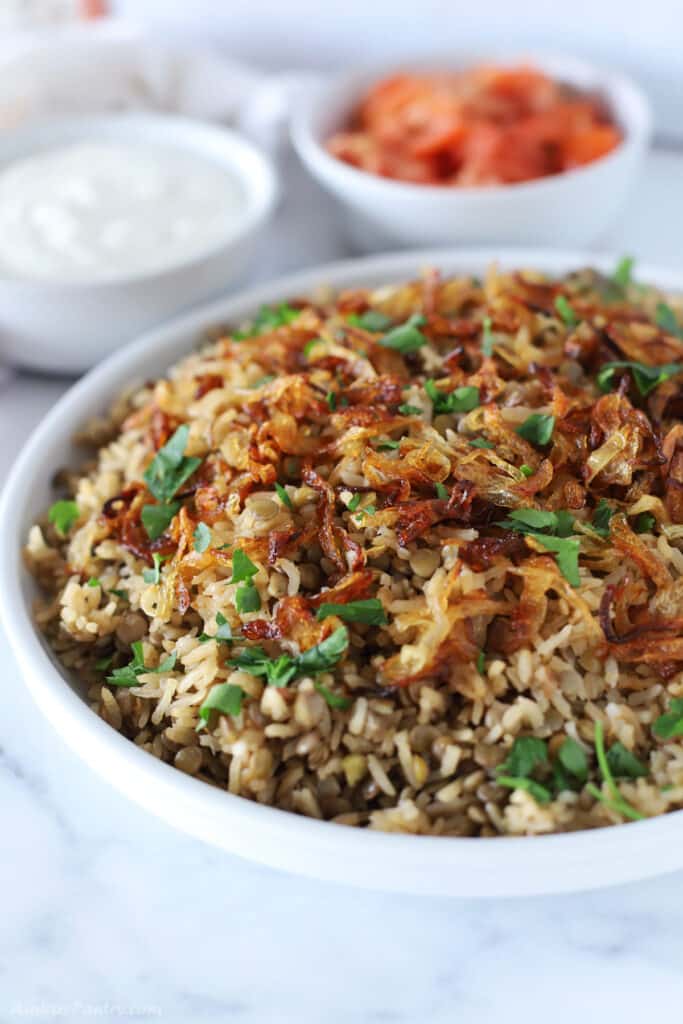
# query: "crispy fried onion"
{"points": [[337, 545], [653, 640], [441, 635]]}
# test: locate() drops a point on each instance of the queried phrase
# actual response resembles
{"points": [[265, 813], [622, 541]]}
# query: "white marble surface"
{"points": [[108, 913]]}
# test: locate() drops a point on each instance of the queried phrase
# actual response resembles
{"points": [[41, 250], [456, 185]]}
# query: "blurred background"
{"points": [[641, 39]]}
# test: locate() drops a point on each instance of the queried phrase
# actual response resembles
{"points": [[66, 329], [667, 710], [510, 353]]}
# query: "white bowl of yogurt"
{"points": [[112, 224]]}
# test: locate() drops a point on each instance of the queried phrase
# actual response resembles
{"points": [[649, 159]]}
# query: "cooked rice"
{"points": [[417, 747]]}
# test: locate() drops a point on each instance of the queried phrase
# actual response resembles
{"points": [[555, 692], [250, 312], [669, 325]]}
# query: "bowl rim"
{"points": [[463, 866], [626, 99], [213, 143]]}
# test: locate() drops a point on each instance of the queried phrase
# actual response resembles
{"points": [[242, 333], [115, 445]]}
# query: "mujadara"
{"points": [[407, 558]]}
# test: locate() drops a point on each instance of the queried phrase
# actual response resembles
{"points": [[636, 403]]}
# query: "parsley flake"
{"points": [[201, 537], [63, 514], [623, 272], [128, 675], [487, 340], [667, 320], [170, 467], [567, 314], [670, 724], [537, 428], [441, 491], [371, 320], [283, 496], [406, 337], [602, 517], [615, 801], [334, 700], [153, 575], [645, 522], [156, 518], [225, 698], [462, 399], [247, 598], [242, 567], [267, 319], [646, 378], [481, 442], [369, 611]]}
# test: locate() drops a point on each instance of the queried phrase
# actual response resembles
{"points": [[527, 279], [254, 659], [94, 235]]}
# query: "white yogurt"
{"points": [[102, 210]]}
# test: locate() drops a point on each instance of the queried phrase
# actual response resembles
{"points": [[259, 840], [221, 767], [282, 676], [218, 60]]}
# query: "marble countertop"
{"points": [[108, 913]]}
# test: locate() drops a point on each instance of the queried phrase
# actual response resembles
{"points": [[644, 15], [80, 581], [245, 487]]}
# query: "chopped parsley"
{"points": [[156, 518], [369, 611], [170, 467], [667, 320], [225, 698], [407, 337], [242, 567], [532, 522], [280, 671], [537, 428], [670, 724], [525, 470], [276, 671], [324, 655], [371, 320], [602, 517], [153, 575], [334, 700], [623, 764], [487, 337], [247, 598], [331, 400], [645, 522], [310, 345], [529, 754], [63, 514], [104, 663], [572, 757], [122, 594], [94, 582], [409, 410], [354, 503], [623, 272], [646, 378], [463, 399], [388, 445], [128, 675], [567, 552], [481, 442], [201, 537], [441, 491], [526, 754], [567, 314], [268, 318], [283, 496], [615, 801], [481, 662]]}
